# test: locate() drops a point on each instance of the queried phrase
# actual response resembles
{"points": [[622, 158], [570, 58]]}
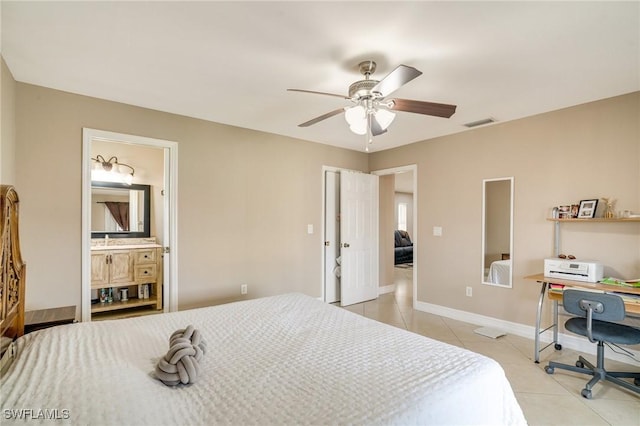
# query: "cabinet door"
{"points": [[121, 267], [99, 269]]}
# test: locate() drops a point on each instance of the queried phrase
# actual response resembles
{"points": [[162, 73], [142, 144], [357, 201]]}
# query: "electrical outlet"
{"points": [[243, 289], [469, 292]]}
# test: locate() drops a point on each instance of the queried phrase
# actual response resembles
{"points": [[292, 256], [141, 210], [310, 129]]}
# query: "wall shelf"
{"points": [[118, 304]]}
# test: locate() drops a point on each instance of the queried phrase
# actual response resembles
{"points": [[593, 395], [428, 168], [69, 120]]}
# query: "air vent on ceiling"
{"points": [[480, 122]]}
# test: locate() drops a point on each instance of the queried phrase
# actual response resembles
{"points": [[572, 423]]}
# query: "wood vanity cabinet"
{"points": [[132, 267], [109, 268]]}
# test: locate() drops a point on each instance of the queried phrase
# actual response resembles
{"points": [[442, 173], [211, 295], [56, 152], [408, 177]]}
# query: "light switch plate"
{"points": [[437, 231], [310, 229]]}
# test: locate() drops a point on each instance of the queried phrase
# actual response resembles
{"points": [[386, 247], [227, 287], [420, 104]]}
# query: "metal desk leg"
{"points": [[536, 353], [555, 324], [557, 346]]}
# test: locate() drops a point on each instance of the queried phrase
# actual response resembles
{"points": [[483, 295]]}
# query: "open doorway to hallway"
{"points": [[398, 226]]}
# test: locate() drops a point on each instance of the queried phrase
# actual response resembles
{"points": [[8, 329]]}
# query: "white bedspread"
{"points": [[500, 272], [287, 359]]}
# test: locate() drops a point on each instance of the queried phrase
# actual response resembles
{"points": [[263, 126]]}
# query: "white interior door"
{"points": [[359, 237], [331, 237]]}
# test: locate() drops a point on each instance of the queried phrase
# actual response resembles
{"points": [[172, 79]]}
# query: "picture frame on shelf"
{"points": [[575, 208], [587, 209], [564, 212]]}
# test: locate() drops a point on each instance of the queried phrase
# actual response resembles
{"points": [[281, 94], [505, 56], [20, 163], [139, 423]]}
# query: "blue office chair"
{"points": [[595, 311]]}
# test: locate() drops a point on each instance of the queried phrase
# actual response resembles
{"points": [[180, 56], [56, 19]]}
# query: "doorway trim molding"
{"points": [[400, 169], [170, 228]]}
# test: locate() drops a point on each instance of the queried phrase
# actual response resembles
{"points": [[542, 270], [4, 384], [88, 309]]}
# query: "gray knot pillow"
{"points": [[182, 363]]}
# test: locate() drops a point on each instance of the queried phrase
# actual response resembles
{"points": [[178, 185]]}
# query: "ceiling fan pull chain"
{"points": [[368, 135]]}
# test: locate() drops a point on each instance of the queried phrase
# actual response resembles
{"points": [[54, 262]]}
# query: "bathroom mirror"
{"points": [[120, 210], [497, 231]]}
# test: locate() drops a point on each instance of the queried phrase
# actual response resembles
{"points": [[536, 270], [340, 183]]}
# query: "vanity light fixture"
{"points": [[111, 170]]}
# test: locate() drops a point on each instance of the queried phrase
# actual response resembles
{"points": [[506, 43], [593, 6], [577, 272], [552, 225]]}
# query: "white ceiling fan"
{"points": [[372, 113]]}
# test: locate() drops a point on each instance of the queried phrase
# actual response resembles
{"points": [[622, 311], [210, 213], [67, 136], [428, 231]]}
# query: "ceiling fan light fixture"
{"points": [[356, 117], [384, 118]]}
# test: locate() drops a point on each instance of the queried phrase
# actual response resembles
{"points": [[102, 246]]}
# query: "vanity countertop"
{"points": [[124, 246], [98, 244]]}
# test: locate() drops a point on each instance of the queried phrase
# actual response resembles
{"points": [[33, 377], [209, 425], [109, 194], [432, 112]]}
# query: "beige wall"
{"points": [[245, 199], [7, 125], [561, 157], [386, 228]]}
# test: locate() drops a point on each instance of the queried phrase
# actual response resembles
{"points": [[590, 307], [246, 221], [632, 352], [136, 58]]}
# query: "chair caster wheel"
{"points": [[558, 346], [579, 364], [549, 370], [586, 393]]}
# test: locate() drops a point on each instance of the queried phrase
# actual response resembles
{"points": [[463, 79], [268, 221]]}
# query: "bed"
{"points": [[285, 359]]}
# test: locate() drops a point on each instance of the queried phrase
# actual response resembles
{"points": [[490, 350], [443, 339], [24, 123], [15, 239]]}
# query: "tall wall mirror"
{"points": [[497, 231], [120, 210]]}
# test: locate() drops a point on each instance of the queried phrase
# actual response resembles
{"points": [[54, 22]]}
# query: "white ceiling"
{"points": [[231, 62]]}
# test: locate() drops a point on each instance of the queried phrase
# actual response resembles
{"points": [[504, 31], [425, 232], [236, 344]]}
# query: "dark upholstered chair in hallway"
{"points": [[595, 311], [403, 248]]}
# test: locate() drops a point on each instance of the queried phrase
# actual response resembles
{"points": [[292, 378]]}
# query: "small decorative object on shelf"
{"points": [[575, 208], [608, 209]]}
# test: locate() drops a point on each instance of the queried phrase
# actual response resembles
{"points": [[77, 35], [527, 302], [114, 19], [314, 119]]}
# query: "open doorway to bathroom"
{"points": [[141, 255], [398, 228]]}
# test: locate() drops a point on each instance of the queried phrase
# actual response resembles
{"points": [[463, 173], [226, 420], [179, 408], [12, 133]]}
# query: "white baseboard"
{"points": [[568, 341], [386, 289]]}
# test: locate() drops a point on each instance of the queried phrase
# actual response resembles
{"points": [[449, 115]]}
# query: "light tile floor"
{"points": [[545, 399]]}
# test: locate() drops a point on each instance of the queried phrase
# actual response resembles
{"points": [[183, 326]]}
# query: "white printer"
{"points": [[578, 270]]}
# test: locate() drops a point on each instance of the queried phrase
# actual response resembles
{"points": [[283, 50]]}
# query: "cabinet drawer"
{"points": [[146, 273], [145, 256]]}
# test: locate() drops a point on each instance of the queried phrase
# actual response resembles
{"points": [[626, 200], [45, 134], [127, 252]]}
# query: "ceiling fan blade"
{"points": [[322, 117], [426, 108], [318, 93], [396, 79], [376, 129]]}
